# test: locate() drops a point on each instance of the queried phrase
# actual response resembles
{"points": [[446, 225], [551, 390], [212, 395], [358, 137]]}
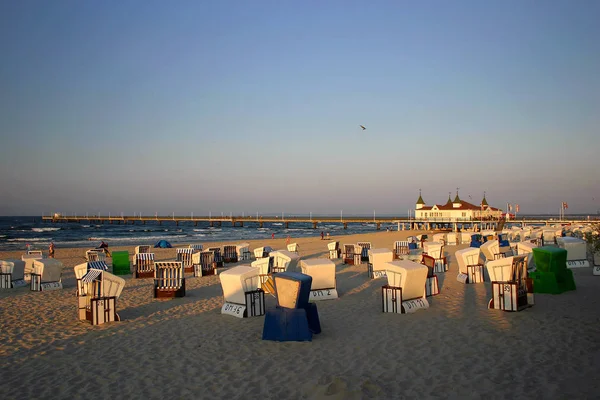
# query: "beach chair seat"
{"points": [[169, 281], [243, 251], [243, 298], [46, 275], [218, 256], [470, 269], [365, 246], [230, 254], [491, 250], [12, 274], [144, 265], [405, 289], [204, 263], [97, 293], [265, 280], [431, 284], [334, 250], [184, 255], [322, 271], [512, 290], [284, 260], [436, 250], [348, 254]]}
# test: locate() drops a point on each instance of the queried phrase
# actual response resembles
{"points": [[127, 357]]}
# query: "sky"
{"points": [[254, 106]]}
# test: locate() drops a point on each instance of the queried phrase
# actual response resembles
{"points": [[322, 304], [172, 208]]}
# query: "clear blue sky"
{"points": [[246, 106]]}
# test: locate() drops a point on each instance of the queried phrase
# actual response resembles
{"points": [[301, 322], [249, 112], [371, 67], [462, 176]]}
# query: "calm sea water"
{"points": [[17, 232]]}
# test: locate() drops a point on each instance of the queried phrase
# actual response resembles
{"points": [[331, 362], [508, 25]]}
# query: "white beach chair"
{"points": [[511, 289], [378, 259], [576, 251], [348, 254], [405, 290], [95, 255], [243, 297], [46, 275], [452, 238], [169, 281], [439, 237], [294, 248], [144, 265], [284, 260], [436, 250], [401, 248], [470, 270], [322, 271], [492, 251], [29, 258], [12, 274], [243, 251], [97, 293], [197, 247], [432, 287], [261, 252], [265, 282], [526, 248], [465, 237], [334, 250]]}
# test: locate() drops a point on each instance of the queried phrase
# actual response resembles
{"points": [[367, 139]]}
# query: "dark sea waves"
{"points": [[17, 232]]}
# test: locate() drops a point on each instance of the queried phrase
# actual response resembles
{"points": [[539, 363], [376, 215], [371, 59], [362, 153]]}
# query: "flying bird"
{"points": [[363, 128]]}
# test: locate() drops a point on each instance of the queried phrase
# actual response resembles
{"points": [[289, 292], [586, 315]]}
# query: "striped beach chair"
{"points": [[294, 248], [204, 263], [12, 274], [401, 248], [218, 256], [334, 250], [197, 247], [365, 246], [97, 294], [170, 279], [431, 284], [140, 249], [185, 256], [144, 265], [230, 254]]}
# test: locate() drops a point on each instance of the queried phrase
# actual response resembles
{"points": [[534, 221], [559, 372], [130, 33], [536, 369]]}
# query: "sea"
{"points": [[17, 232]]}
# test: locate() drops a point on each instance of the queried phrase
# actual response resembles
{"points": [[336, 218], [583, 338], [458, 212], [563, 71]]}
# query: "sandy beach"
{"points": [[184, 348]]}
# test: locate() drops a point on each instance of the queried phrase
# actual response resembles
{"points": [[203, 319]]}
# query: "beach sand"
{"points": [[184, 348]]}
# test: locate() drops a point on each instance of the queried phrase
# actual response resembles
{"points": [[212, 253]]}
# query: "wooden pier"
{"points": [[239, 221]]}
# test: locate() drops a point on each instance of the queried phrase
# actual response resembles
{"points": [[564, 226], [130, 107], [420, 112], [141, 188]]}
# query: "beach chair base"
{"points": [[475, 273], [102, 310], [36, 284], [230, 260], [169, 292], [391, 300], [462, 278], [254, 307], [334, 254], [5, 281], [507, 296], [578, 264], [596, 270], [189, 269], [357, 259], [144, 274], [440, 266], [323, 294], [431, 286], [291, 324], [348, 261], [375, 274], [19, 283]]}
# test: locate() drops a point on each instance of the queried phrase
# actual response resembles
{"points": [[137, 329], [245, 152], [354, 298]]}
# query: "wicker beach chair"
{"points": [[185, 256], [230, 254], [144, 265], [170, 279]]}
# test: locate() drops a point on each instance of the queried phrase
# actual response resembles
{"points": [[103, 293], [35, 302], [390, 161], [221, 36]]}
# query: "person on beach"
{"points": [[51, 250], [104, 246], [322, 235], [273, 235], [287, 241]]}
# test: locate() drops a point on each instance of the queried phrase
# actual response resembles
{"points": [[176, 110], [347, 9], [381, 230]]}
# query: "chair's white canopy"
{"points": [[293, 247], [500, 270], [322, 272], [49, 268], [262, 264], [439, 237], [489, 249], [433, 249], [14, 267], [408, 275], [242, 248], [576, 248], [465, 237], [468, 256], [332, 245], [378, 258], [237, 281]]}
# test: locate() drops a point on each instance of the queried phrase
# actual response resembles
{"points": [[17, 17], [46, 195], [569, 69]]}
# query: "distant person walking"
{"points": [[273, 235], [322, 235], [51, 250]]}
